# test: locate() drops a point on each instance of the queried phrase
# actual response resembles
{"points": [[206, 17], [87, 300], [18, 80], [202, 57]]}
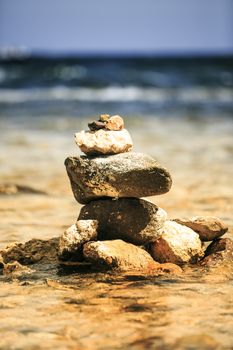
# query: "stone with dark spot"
{"points": [[122, 175], [96, 125], [134, 220], [219, 252]]}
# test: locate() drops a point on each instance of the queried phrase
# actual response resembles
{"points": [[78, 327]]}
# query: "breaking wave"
{"points": [[197, 95]]}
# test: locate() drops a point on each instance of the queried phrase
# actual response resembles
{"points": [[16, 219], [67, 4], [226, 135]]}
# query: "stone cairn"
{"points": [[116, 228]]}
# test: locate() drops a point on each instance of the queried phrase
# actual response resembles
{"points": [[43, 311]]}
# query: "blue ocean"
{"points": [[190, 87]]}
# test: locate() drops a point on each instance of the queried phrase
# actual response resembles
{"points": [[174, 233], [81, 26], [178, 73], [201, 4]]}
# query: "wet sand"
{"points": [[53, 309]]}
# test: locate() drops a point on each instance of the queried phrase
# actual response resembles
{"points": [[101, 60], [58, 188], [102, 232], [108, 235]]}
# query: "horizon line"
{"points": [[22, 52]]}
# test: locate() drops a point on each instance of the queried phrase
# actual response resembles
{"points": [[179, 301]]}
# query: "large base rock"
{"points": [[104, 141], [72, 240], [121, 175], [178, 244], [134, 220], [208, 228]]}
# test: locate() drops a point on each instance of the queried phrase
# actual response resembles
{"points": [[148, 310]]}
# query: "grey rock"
{"points": [[72, 240], [134, 220], [208, 227], [118, 254], [122, 175], [177, 244]]}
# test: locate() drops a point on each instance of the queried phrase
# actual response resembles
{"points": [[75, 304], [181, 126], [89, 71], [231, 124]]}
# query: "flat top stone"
{"points": [[128, 174]]}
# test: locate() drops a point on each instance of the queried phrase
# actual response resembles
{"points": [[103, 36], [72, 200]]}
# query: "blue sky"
{"points": [[118, 26]]}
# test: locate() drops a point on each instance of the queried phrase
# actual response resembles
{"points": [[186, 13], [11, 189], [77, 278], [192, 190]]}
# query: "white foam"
{"points": [[118, 94]]}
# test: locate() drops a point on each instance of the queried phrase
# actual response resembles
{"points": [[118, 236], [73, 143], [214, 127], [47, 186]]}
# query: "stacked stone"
{"points": [[116, 227]]}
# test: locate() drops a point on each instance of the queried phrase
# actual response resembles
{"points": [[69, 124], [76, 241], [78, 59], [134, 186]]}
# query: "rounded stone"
{"points": [[115, 123], [177, 244], [134, 220]]}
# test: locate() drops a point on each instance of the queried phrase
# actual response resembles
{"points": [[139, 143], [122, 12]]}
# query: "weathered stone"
{"points": [[121, 175], [72, 240], [208, 228], [219, 252], [177, 244], [31, 252], [115, 123], [104, 141], [134, 220], [118, 254], [96, 125]]}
